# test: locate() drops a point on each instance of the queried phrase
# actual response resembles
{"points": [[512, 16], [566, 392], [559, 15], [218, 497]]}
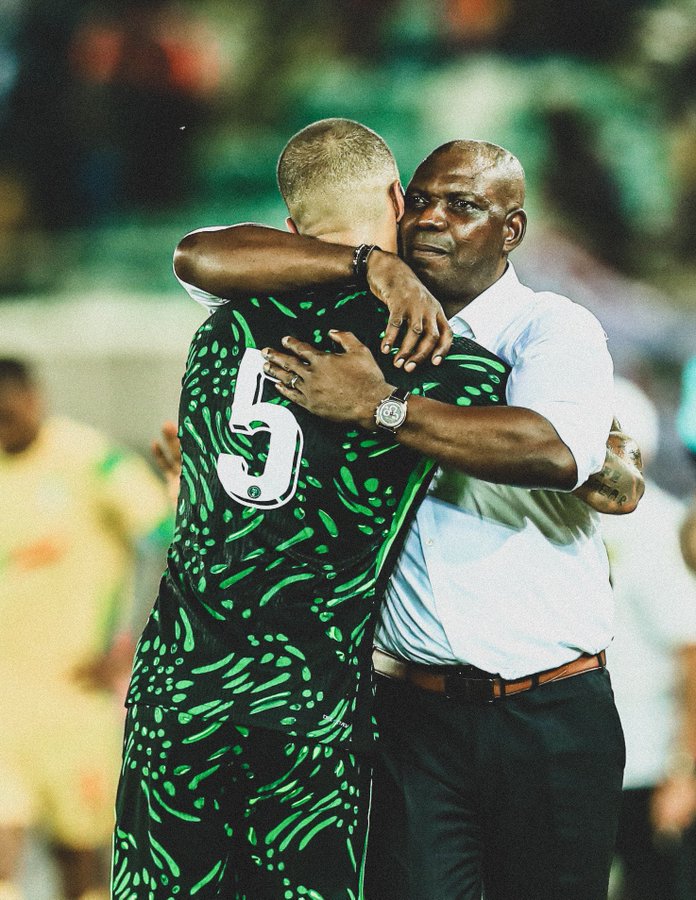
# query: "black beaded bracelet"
{"points": [[360, 257]]}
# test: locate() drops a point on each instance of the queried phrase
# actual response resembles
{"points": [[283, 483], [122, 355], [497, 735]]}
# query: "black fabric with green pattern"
{"points": [[230, 812], [284, 525]]}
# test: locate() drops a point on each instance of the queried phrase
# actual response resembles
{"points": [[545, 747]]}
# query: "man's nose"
{"points": [[433, 216]]}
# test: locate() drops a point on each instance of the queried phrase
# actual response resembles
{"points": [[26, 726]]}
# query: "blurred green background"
{"points": [[126, 124]]}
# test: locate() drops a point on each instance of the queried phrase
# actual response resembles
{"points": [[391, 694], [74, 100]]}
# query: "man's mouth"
{"points": [[427, 250]]}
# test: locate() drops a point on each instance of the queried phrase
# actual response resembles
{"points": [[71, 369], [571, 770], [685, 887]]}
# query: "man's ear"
{"points": [[396, 195], [515, 228], [290, 225]]}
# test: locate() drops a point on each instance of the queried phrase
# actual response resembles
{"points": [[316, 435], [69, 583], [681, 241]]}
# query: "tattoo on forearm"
{"points": [[606, 483], [611, 481]]}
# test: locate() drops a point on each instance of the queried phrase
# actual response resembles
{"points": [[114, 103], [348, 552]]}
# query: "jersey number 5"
{"points": [[249, 415]]}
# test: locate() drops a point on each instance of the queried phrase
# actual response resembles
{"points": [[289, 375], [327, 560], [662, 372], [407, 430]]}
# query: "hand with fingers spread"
{"points": [[342, 387], [416, 318]]}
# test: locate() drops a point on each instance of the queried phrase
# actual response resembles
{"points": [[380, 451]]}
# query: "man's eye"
{"points": [[415, 201], [462, 205]]}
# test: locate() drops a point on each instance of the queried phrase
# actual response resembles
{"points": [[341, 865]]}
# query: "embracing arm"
{"points": [[687, 537], [512, 445], [507, 445], [167, 455], [247, 259]]}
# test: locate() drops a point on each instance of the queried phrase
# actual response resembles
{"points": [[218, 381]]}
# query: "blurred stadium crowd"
{"points": [[126, 123], [123, 108]]}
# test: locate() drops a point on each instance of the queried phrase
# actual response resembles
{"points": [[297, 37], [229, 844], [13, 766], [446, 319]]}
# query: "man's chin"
{"points": [[427, 268]]}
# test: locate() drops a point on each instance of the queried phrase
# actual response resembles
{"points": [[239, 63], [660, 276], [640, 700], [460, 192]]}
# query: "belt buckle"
{"points": [[471, 690]]}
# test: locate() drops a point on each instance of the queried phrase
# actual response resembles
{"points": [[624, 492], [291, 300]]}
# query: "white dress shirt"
{"points": [[509, 579], [655, 619]]}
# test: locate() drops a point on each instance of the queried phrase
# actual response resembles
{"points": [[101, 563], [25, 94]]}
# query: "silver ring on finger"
{"points": [[293, 381]]}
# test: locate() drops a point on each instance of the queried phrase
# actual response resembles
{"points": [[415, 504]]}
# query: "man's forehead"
{"points": [[455, 175]]}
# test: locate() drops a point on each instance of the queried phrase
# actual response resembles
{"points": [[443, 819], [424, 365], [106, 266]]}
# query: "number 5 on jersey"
{"points": [[249, 415]]}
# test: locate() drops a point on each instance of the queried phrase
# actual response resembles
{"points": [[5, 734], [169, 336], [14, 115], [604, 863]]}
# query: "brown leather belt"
{"points": [[474, 685]]}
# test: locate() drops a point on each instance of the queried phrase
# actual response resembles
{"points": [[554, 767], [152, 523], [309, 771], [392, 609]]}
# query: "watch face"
{"points": [[391, 413]]}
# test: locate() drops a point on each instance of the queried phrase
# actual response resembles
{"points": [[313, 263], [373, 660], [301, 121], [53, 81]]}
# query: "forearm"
{"points": [[245, 259], [505, 445], [253, 259]]}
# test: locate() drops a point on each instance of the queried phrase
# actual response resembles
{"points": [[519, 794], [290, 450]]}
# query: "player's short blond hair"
{"points": [[339, 166]]}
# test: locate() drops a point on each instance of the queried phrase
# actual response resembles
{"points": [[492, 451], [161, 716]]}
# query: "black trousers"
{"points": [[518, 799], [654, 867]]}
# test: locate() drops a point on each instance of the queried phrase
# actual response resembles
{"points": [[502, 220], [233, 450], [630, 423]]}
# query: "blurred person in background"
{"points": [[76, 513], [574, 174], [653, 668], [144, 73], [686, 429], [98, 118]]}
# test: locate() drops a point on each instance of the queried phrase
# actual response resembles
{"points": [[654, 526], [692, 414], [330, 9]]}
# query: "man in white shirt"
{"points": [[498, 770]]}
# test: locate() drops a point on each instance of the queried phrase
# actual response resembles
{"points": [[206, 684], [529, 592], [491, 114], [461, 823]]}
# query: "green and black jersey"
{"points": [[286, 527]]}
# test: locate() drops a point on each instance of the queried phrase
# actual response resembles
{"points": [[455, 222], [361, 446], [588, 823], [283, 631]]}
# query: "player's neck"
{"points": [[382, 237]]}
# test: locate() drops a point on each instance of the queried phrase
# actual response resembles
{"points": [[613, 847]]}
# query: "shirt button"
{"points": [[429, 542]]}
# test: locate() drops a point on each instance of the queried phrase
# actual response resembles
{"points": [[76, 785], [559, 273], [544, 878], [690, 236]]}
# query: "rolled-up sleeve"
{"points": [[565, 373]]}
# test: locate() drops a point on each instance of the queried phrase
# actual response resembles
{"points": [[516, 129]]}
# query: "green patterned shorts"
{"points": [[220, 810]]}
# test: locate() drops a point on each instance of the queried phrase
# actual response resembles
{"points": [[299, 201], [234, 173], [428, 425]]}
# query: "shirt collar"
{"points": [[487, 314]]}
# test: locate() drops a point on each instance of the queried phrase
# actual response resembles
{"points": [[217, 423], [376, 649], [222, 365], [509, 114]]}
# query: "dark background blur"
{"points": [[126, 124]]}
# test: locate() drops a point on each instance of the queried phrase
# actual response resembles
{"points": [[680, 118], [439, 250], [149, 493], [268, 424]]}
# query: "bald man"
{"points": [[506, 769], [502, 753]]}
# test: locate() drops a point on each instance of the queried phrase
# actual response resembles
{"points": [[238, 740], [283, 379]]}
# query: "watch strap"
{"points": [[399, 394]]}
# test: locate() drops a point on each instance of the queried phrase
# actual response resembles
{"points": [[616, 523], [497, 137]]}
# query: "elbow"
{"points": [[565, 476], [545, 472], [187, 258], [551, 465], [561, 469], [216, 260]]}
